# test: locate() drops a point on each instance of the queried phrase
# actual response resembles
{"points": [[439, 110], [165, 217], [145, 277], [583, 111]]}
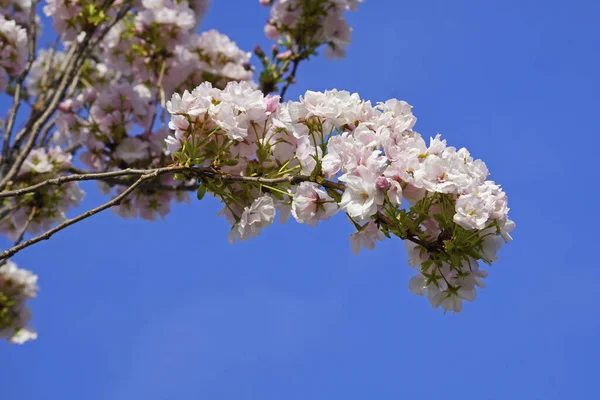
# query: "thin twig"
{"points": [[73, 148], [46, 136], [26, 226], [291, 78]]}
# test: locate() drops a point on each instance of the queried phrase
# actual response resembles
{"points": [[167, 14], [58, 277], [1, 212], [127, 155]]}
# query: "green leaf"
{"points": [[334, 194], [212, 147], [201, 192]]}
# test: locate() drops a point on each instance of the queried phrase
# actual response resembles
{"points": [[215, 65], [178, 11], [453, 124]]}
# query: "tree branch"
{"points": [[73, 64], [26, 226], [144, 175], [291, 77], [196, 172], [36, 125], [47, 235]]}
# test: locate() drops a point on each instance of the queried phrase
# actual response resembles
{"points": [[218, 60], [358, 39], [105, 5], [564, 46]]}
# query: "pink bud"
{"points": [[271, 32], [272, 102], [91, 96], [382, 183], [139, 27], [65, 106], [284, 55], [265, 3]]}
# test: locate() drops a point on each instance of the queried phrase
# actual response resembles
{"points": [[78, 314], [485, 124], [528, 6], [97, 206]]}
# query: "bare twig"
{"points": [[26, 226], [46, 136], [291, 78]]}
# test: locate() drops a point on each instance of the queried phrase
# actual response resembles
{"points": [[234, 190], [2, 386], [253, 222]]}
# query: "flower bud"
{"points": [[285, 55], [382, 183], [259, 51], [66, 105], [272, 102], [271, 32]]}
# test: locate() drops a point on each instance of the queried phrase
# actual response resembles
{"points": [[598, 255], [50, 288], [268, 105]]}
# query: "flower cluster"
{"points": [[36, 212], [16, 287], [208, 57], [156, 41], [70, 18], [18, 10], [102, 119], [313, 21], [149, 203], [13, 50], [333, 152], [44, 70]]}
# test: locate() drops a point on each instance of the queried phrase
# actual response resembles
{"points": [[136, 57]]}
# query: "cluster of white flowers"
{"points": [[210, 56], [13, 50], [18, 10], [148, 205], [331, 25], [37, 213], [239, 112], [45, 67], [445, 286], [65, 16], [175, 19], [160, 32], [41, 161], [372, 151], [312, 204], [101, 118], [16, 287]]}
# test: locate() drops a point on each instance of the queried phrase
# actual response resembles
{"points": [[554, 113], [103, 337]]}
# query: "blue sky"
{"points": [[170, 310]]}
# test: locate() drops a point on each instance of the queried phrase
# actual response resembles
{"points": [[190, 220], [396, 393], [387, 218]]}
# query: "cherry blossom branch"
{"points": [[73, 64], [90, 176], [47, 235], [145, 175], [31, 38], [35, 127]]}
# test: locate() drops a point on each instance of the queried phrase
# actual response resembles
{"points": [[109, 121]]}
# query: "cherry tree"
{"points": [[132, 97]]}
